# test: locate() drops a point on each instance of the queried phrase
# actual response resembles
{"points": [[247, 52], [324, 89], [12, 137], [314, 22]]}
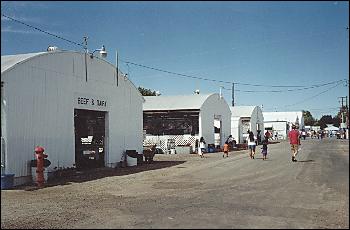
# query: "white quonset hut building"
{"points": [[281, 122], [170, 121], [73, 105], [244, 118]]}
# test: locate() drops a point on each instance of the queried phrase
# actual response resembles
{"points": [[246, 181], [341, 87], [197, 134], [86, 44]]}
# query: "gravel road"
{"points": [[186, 191]]}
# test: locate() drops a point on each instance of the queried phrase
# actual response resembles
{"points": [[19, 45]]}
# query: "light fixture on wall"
{"points": [[52, 48], [102, 51]]}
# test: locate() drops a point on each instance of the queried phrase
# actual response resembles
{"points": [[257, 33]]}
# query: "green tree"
{"points": [[326, 119], [308, 118], [147, 92], [337, 120]]}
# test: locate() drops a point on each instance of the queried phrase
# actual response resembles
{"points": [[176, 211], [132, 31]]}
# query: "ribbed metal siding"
{"points": [[214, 105], [40, 109]]}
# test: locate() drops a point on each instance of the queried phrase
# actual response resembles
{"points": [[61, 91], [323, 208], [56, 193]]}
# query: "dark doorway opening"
{"points": [[89, 129]]}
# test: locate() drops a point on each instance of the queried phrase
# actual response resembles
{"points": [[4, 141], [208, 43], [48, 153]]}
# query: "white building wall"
{"points": [[211, 107], [279, 127], [289, 117], [214, 106], [236, 129], [256, 121], [259, 118], [40, 97], [253, 121]]}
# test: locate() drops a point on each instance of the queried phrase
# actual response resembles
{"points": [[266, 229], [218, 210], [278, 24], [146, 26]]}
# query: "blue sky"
{"points": [[259, 43]]}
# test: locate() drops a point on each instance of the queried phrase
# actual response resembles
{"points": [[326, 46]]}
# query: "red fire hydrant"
{"points": [[40, 156]]}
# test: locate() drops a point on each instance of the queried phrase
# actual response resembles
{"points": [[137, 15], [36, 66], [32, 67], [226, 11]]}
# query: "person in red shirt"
{"points": [[294, 140], [267, 135]]}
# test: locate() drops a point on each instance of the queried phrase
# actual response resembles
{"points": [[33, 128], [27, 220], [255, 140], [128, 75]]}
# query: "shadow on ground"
{"points": [[306, 161], [94, 174]]}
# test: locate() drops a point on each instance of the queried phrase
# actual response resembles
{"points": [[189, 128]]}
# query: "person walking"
{"points": [[251, 139], [303, 133], [200, 153], [264, 149], [226, 148], [198, 149], [258, 136], [294, 140], [202, 146], [267, 135], [231, 142]]}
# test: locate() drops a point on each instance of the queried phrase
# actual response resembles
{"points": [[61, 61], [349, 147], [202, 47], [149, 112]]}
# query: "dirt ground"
{"points": [[186, 191], [62, 202]]}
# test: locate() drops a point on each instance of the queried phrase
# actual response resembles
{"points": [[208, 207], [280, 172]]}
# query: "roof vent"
{"points": [[52, 48], [196, 91]]}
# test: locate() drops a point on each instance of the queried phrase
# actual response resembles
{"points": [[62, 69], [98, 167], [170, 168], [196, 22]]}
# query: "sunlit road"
{"points": [[238, 192], [235, 192]]}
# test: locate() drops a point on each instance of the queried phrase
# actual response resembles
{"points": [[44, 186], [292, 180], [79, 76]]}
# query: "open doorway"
{"points": [[89, 129], [217, 132]]}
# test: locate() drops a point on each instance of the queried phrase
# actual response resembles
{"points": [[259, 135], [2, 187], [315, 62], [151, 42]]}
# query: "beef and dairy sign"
{"points": [[91, 102]]}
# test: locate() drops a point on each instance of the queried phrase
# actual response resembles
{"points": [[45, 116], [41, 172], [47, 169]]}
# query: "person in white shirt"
{"points": [[303, 134], [251, 139], [202, 148], [202, 145]]}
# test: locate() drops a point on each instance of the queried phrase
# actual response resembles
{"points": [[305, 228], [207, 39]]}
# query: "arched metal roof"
{"points": [[178, 102], [242, 111], [9, 61]]}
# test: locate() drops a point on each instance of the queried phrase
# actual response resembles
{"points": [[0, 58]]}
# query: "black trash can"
{"points": [[139, 159], [7, 181]]}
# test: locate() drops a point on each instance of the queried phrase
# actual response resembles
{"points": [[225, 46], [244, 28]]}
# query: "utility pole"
{"points": [[86, 52], [117, 65], [85, 44], [342, 125], [344, 116], [233, 94], [347, 112]]}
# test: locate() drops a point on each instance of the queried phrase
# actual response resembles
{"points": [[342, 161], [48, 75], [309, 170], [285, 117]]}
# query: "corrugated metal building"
{"points": [[281, 122], [171, 121], [246, 118], [73, 105]]}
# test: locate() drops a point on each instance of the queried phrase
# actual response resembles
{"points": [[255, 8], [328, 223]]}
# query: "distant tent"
{"points": [[331, 128]]}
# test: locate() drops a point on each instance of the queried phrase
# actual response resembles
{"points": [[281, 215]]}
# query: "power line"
{"points": [[178, 74], [43, 31], [312, 97], [288, 90], [238, 83], [291, 86], [185, 75]]}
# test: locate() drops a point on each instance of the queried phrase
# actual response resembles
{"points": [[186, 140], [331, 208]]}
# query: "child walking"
{"points": [[264, 149], [226, 147]]}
